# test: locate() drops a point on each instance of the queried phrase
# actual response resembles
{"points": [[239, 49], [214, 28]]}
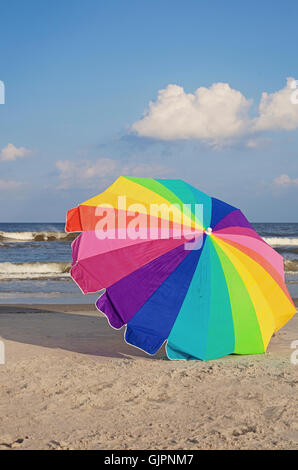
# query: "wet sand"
{"points": [[71, 382]]}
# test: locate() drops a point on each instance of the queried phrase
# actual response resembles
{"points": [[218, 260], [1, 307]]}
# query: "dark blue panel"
{"points": [[219, 210], [152, 324]]}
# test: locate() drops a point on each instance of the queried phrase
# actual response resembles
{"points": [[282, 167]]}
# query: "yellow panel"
{"points": [[273, 308], [136, 194]]}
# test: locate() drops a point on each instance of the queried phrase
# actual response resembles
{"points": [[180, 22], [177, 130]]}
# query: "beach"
{"points": [[71, 382]]}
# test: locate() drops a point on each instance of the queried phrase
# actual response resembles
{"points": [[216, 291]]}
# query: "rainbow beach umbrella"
{"points": [[179, 267]]}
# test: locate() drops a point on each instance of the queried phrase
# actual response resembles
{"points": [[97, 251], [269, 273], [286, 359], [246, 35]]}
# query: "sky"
{"points": [[197, 90]]}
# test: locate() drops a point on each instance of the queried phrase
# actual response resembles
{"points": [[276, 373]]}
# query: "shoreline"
{"points": [[71, 382]]}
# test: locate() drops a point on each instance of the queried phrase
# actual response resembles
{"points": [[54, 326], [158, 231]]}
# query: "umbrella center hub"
{"points": [[208, 231]]}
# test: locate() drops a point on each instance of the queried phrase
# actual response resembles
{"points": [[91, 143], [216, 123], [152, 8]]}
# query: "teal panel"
{"points": [[188, 337], [206, 201], [190, 195], [204, 326]]}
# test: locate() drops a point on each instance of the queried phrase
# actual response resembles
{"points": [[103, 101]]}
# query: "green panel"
{"points": [[248, 338], [158, 188], [167, 189], [221, 339]]}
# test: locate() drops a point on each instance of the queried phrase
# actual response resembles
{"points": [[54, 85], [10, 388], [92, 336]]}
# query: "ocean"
{"points": [[35, 260]]}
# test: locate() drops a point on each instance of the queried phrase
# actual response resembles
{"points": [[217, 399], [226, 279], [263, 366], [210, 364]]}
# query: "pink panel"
{"points": [[88, 244], [239, 231], [259, 246], [105, 269]]}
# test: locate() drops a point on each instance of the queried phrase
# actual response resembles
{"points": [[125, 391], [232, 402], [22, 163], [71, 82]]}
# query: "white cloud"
{"points": [[277, 111], [85, 169], [10, 153], [284, 181], [210, 114], [9, 185], [86, 173], [216, 115]]}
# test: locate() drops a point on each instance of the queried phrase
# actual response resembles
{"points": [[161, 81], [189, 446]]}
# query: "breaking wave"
{"points": [[281, 241], [36, 236], [34, 270]]}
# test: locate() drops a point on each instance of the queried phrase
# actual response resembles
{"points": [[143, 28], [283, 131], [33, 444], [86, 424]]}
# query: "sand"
{"points": [[71, 382]]}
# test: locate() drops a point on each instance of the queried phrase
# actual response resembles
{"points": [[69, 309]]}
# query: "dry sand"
{"points": [[71, 382]]}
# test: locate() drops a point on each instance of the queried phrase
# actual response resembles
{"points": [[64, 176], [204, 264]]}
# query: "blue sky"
{"points": [[79, 76]]}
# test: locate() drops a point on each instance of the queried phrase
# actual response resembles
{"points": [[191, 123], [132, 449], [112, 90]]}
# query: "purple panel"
{"points": [[123, 299], [233, 219]]}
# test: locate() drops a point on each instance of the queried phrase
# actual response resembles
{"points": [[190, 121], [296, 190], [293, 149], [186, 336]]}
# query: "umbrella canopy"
{"points": [[179, 266]]}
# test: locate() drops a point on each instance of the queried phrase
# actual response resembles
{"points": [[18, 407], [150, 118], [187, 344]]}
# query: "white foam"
{"points": [[36, 236], [33, 270], [281, 241]]}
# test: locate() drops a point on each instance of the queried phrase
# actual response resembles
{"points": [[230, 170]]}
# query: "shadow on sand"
{"points": [[61, 327]]}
